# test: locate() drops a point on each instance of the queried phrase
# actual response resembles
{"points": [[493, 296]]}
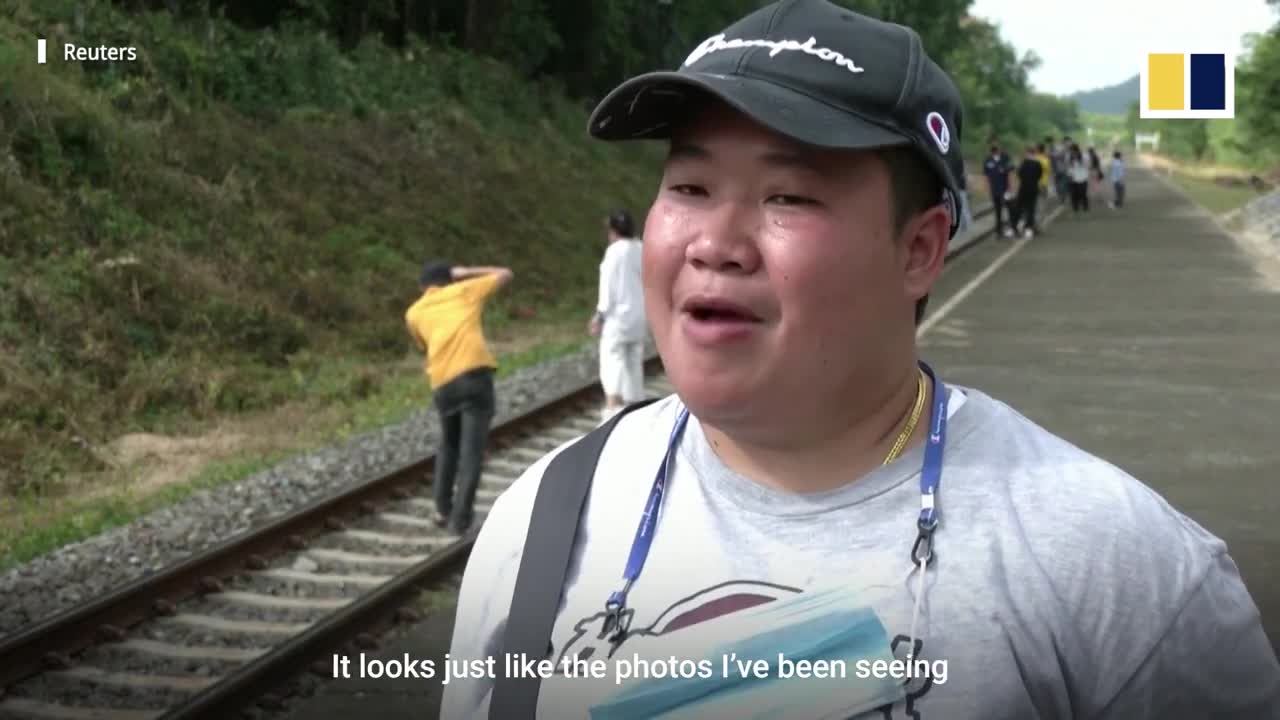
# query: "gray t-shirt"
{"points": [[1063, 587]]}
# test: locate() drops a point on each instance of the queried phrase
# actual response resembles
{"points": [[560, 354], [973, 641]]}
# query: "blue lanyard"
{"points": [[644, 534], [617, 620], [931, 472]]}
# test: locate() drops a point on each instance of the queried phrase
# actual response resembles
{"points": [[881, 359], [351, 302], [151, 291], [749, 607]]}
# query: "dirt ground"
{"points": [[144, 463]]}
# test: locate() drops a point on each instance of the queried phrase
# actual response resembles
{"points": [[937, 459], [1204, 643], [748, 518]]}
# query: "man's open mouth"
{"points": [[718, 310]]}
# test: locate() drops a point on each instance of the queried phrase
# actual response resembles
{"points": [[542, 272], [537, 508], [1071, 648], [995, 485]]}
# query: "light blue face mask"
{"points": [[828, 625]]}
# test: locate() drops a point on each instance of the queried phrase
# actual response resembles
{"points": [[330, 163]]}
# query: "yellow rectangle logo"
{"points": [[1165, 81]]}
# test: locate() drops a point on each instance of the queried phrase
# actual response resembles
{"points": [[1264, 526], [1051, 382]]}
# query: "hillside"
{"points": [[1110, 100], [236, 220]]}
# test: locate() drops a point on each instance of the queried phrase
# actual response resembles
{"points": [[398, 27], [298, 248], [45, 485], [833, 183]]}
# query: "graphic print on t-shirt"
{"points": [[589, 640]]}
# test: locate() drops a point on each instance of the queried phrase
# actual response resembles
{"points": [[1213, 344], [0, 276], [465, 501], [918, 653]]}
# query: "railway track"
{"points": [[221, 631]]}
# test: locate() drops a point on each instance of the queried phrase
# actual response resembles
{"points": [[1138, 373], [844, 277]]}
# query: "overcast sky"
{"points": [[1086, 44]]}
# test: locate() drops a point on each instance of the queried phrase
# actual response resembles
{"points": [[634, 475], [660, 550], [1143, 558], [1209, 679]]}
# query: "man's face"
{"points": [[773, 283]]}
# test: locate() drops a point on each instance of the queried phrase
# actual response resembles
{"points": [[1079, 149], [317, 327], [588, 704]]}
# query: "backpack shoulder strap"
{"points": [[544, 564]]}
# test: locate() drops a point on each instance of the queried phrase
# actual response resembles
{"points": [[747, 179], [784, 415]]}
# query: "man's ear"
{"points": [[924, 243]]}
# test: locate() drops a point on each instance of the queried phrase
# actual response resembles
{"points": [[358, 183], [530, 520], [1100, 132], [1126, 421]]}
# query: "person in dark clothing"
{"points": [[997, 168], [1029, 174], [1058, 165], [1095, 172], [1078, 175]]}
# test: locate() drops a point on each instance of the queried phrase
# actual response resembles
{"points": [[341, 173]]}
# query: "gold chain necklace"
{"points": [[911, 423]]}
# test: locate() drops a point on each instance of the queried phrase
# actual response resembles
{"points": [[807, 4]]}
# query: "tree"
{"points": [[588, 46], [995, 84], [1132, 117], [1198, 138], [1258, 91]]}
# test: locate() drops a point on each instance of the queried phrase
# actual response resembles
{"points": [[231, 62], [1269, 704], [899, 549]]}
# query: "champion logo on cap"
{"points": [[938, 131], [718, 42]]}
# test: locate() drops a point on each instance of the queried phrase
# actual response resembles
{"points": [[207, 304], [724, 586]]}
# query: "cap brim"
{"points": [[651, 106]]}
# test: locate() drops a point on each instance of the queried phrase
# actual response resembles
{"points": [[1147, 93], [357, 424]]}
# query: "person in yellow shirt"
{"points": [[445, 324], [1042, 155]]}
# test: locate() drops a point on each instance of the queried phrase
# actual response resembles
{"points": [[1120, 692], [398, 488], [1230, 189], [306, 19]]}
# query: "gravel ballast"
{"points": [[1261, 219], [88, 569]]}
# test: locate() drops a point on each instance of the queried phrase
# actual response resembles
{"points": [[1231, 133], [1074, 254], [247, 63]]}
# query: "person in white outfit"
{"points": [[619, 320]]}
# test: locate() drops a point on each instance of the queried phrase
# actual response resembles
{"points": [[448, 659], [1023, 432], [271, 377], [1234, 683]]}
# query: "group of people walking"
{"points": [[1048, 169], [1082, 176]]}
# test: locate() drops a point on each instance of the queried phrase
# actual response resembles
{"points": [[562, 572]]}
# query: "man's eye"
{"points": [[792, 200], [688, 189]]}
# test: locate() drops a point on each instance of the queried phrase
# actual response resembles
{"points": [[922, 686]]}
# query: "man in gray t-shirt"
{"points": [[825, 495]]}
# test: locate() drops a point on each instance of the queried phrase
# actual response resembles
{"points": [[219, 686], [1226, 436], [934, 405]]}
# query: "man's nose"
{"points": [[726, 242]]}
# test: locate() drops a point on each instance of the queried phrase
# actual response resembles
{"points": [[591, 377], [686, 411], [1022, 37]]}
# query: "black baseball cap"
{"points": [[435, 272], [815, 72]]}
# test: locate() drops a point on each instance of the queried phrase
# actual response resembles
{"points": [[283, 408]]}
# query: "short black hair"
{"points": [[435, 272], [914, 187], [620, 222]]}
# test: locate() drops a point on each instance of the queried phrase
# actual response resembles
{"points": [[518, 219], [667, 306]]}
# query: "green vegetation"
{"points": [[223, 235], [1104, 132], [1217, 197], [1204, 158], [237, 223], [33, 525], [995, 84], [1258, 100], [234, 226]]}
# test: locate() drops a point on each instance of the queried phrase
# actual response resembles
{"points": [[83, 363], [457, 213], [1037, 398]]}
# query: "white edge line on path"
{"points": [[941, 313]]}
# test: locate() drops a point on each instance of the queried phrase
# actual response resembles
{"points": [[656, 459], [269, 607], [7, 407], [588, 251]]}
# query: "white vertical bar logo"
{"points": [[40, 51]]}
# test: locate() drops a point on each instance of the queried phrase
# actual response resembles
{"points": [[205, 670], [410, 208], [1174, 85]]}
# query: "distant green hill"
{"points": [[1111, 100]]}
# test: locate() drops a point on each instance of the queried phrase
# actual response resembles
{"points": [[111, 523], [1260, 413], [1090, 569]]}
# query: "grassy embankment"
{"points": [[1218, 188], [205, 254]]}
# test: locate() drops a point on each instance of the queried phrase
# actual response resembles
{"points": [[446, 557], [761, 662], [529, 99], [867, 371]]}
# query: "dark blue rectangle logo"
{"points": [[1208, 82]]}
